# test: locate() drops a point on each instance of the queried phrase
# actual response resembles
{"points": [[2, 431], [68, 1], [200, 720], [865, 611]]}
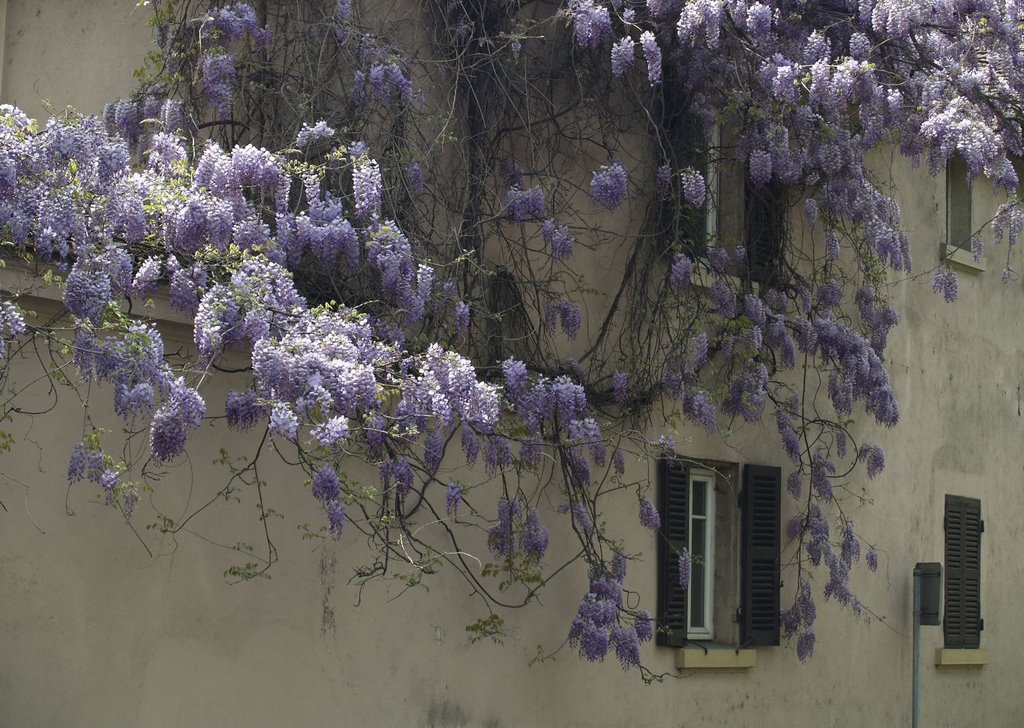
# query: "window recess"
{"points": [[733, 541]]}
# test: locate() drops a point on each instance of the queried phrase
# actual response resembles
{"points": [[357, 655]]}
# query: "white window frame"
{"points": [[706, 631], [712, 174]]}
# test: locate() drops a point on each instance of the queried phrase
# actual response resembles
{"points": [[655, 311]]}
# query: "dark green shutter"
{"points": [[673, 504], [764, 218], [761, 501], [962, 619]]}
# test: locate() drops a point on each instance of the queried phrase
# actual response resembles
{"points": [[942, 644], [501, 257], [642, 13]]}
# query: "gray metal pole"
{"points": [[916, 714]]}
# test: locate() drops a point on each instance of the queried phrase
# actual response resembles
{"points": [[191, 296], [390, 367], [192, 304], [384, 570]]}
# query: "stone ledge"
{"points": [[960, 658], [715, 658], [961, 258]]}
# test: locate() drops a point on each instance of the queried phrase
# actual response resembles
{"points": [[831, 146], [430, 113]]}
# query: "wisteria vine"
{"points": [[387, 229]]}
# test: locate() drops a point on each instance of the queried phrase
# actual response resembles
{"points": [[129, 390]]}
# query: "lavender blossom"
{"points": [[805, 645], [500, 538], [558, 238], [623, 55], [414, 172], [874, 456], [332, 433], [620, 382], [652, 54], [283, 423], [644, 626], [218, 82], [453, 498], [693, 187], [309, 134], [699, 351], [627, 647], [366, 187], [335, 518], [462, 319], [533, 538], [795, 484], [522, 205], [243, 409], [326, 486], [593, 23], [681, 272], [760, 167], [946, 282], [663, 181], [649, 517], [684, 564], [610, 185]]}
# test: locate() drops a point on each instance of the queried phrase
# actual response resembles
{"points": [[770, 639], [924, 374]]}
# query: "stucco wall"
{"points": [[78, 53], [97, 631]]}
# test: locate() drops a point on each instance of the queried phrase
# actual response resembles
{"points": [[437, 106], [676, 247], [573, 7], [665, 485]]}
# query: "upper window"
{"points": [[733, 546], [962, 622], [959, 225], [746, 214]]}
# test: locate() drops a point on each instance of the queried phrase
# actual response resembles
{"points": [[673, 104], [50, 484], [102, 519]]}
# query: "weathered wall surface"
{"points": [[97, 631], [70, 52]]}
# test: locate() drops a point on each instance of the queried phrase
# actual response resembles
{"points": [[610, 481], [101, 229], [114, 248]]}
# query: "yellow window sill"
{"points": [[715, 658], [961, 258], [960, 658]]}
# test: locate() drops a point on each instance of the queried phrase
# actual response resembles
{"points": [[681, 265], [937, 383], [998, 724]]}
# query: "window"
{"points": [[746, 214], [959, 226], [962, 622], [733, 594], [764, 229], [700, 596], [737, 213], [686, 146]]}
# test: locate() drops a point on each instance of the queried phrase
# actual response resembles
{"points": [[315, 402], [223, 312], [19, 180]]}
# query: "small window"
{"points": [[959, 225], [962, 622], [733, 544], [747, 215], [702, 551], [765, 229], [687, 146]]}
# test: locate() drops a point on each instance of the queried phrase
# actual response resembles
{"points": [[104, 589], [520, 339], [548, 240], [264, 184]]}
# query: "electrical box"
{"points": [[931, 592]]}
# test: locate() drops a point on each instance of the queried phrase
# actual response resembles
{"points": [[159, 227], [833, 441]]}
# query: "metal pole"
{"points": [[916, 714]]}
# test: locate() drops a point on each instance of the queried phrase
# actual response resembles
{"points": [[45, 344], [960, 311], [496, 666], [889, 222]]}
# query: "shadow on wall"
{"points": [[446, 714]]}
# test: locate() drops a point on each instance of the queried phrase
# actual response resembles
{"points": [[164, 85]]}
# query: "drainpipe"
{"points": [[916, 711]]}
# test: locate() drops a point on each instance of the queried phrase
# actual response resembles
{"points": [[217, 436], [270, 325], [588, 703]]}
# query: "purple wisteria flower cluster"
{"points": [[602, 621]]}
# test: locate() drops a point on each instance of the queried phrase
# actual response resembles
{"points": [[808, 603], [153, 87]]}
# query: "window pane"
{"points": [[700, 495], [958, 199], [698, 578]]}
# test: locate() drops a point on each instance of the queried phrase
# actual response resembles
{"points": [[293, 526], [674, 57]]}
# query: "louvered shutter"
{"points": [[761, 502], [765, 228], [673, 501], [962, 619]]}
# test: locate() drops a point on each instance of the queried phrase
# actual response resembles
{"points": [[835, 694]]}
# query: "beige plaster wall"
{"points": [[103, 627], [78, 53], [97, 632]]}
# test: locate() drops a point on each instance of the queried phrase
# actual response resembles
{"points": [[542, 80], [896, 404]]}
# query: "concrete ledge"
{"points": [[715, 658], [961, 258], [960, 658]]}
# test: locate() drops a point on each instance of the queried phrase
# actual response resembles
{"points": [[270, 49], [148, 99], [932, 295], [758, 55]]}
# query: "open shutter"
{"points": [[962, 619], [761, 540], [765, 216], [673, 501]]}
